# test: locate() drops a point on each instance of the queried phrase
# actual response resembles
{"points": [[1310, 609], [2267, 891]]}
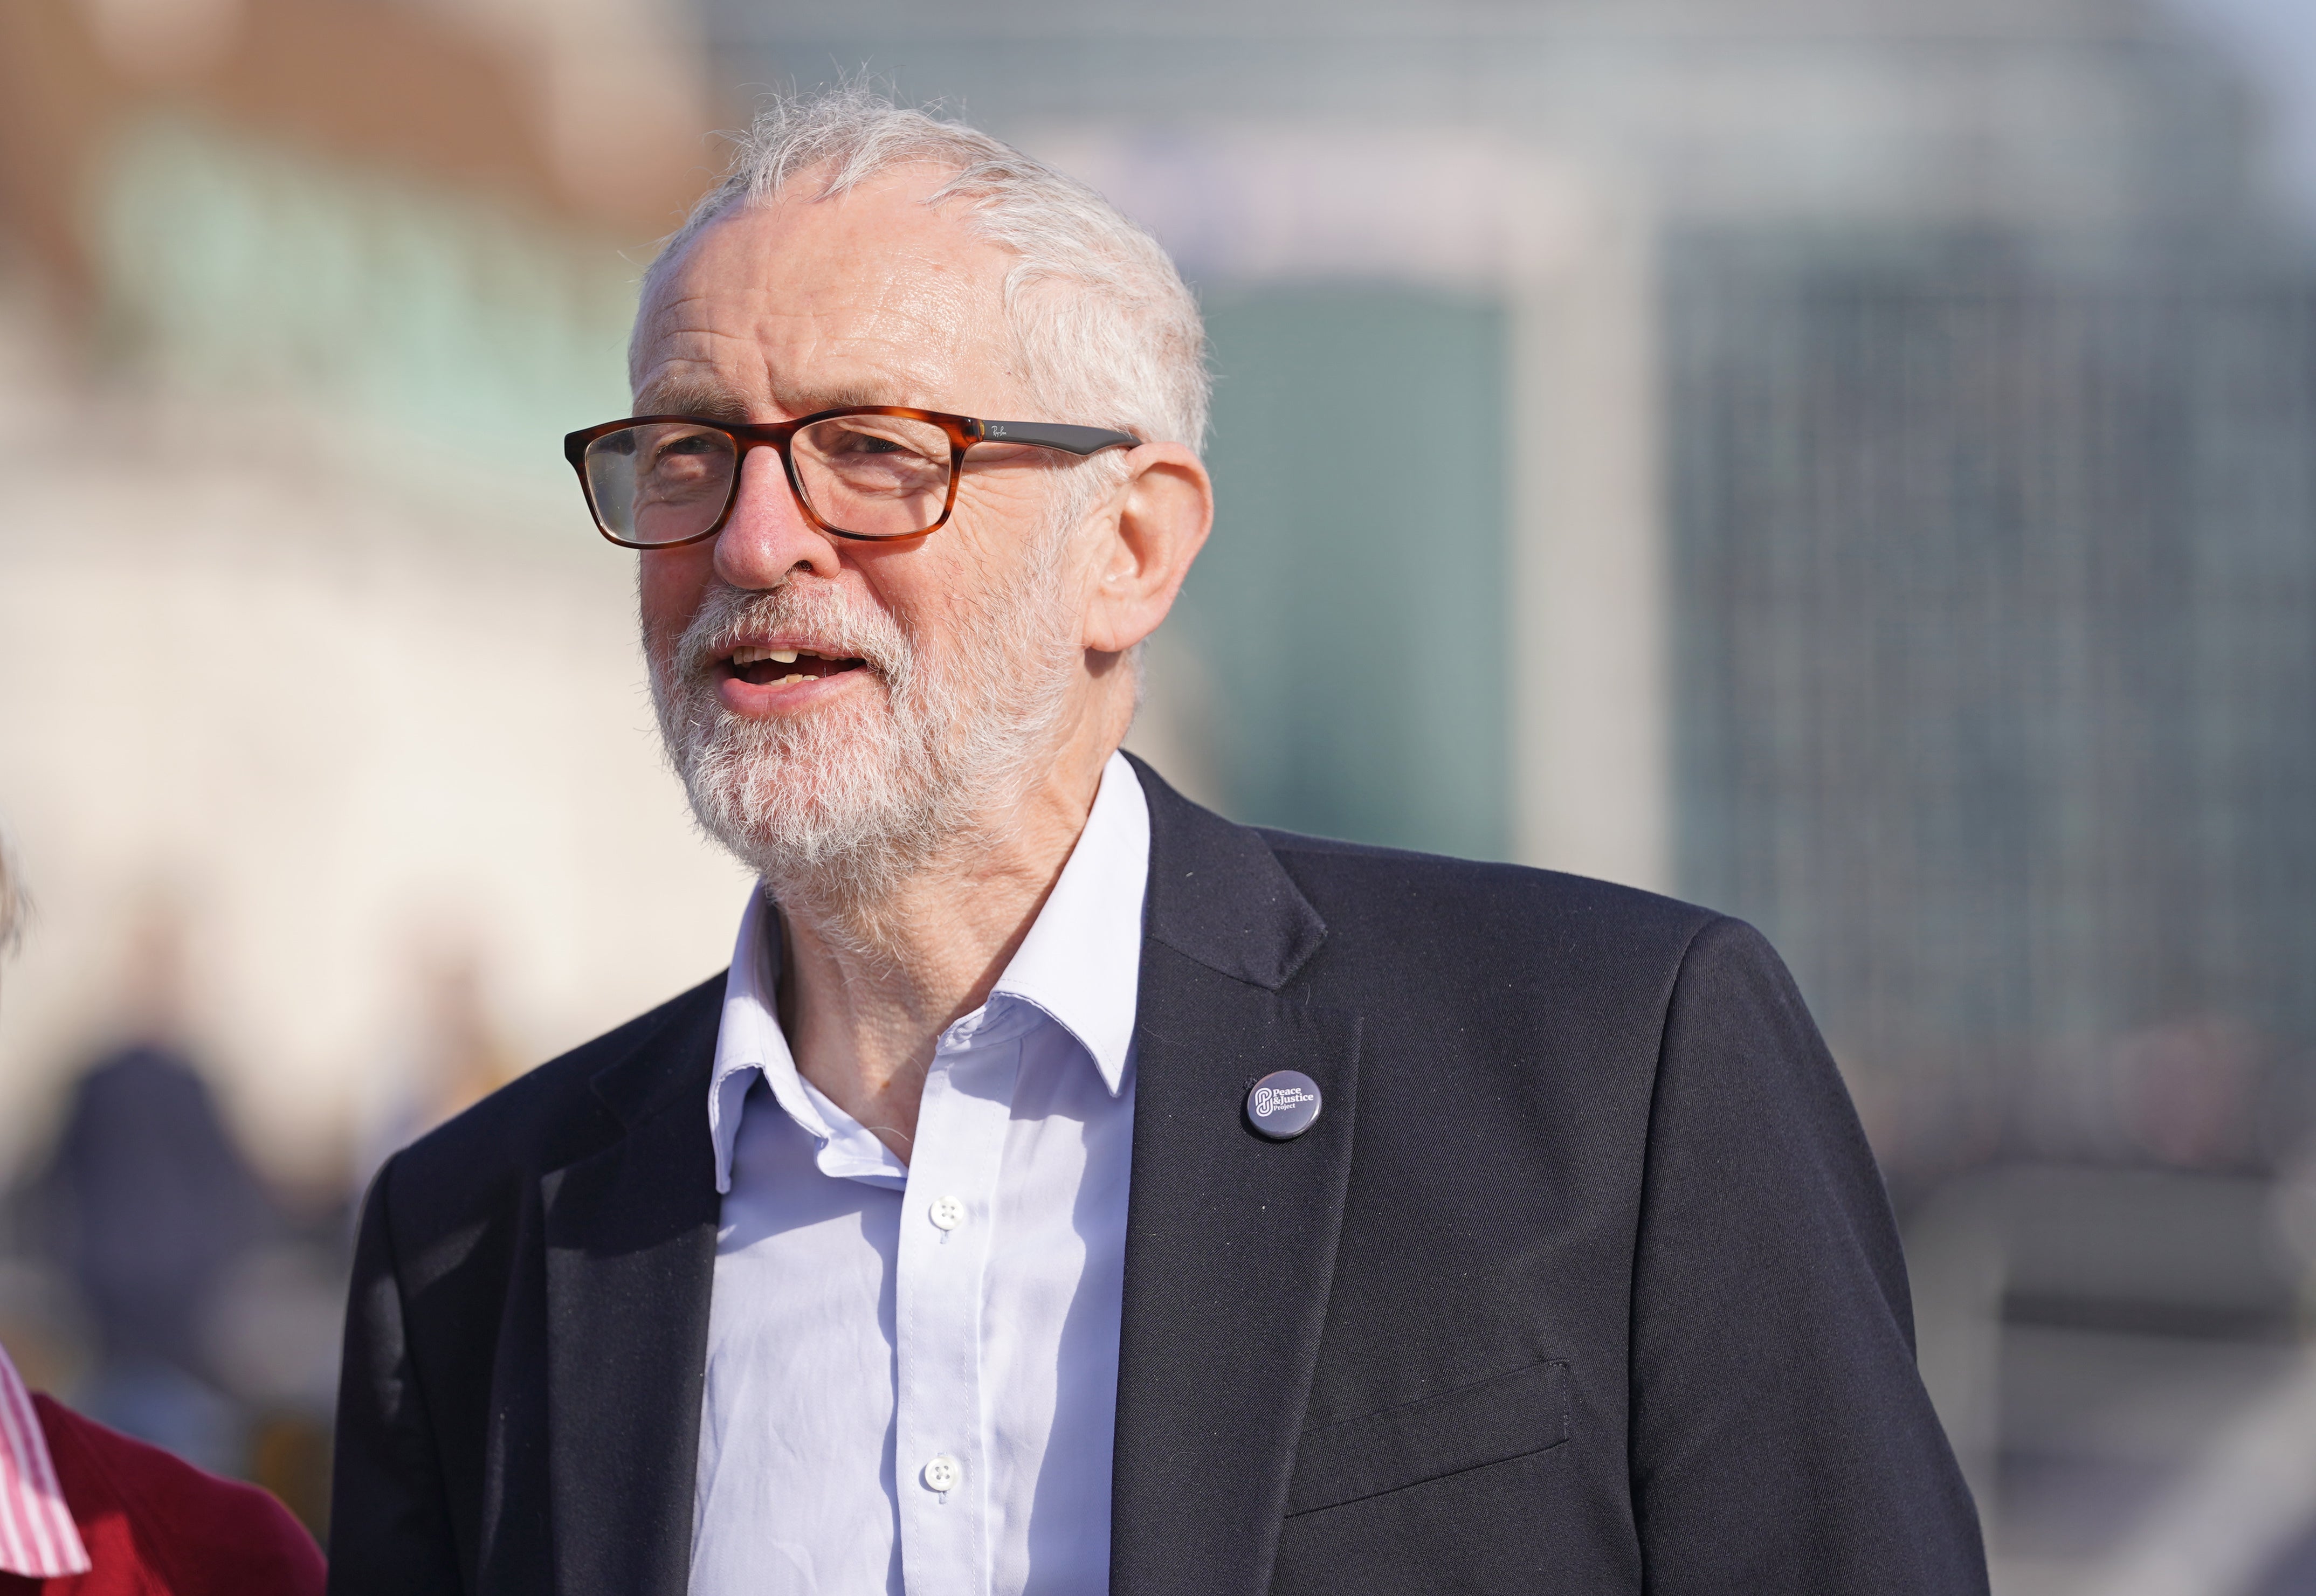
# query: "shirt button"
{"points": [[943, 1472], [947, 1213]]}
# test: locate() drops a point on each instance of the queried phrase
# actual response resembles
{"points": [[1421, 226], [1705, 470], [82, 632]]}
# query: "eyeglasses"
{"points": [[866, 472]]}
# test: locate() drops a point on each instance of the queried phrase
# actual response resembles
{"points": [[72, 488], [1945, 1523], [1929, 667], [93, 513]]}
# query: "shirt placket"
{"points": [[941, 1464]]}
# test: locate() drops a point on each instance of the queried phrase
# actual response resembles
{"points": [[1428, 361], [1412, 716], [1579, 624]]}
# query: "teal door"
{"points": [[1348, 612]]}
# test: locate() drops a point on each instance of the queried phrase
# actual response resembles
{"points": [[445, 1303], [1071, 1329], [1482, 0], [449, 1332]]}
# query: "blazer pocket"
{"points": [[1508, 1415]]}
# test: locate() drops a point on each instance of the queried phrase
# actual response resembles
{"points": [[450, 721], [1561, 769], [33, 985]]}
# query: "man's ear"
{"points": [[1156, 522]]}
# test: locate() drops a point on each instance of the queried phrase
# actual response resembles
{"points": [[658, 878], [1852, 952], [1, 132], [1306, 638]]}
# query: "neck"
{"points": [[867, 987]]}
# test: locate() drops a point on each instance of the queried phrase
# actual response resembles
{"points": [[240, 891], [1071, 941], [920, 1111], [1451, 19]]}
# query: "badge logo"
{"points": [[1270, 1100], [1283, 1105]]}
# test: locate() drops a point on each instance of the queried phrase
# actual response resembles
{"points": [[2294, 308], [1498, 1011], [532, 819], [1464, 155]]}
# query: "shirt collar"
{"points": [[38, 1538], [1079, 965], [1081, 961]]}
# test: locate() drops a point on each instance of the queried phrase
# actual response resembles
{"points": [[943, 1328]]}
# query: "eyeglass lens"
{"points": [[872, 476]]}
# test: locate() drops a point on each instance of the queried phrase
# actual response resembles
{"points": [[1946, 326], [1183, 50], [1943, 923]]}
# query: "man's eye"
{"points": [[869, 443]]}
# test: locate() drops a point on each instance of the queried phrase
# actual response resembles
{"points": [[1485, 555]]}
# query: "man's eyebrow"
{"points": [[711, 403], [704, 400], [805, 401]]}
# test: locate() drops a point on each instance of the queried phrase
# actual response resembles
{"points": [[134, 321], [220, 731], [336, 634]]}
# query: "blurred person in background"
{"points": [[149, 1203], [86, 1511], [1067, 1188]]}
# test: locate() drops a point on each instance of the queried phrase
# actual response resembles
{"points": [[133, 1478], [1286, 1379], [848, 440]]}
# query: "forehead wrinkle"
{"points": [[901, 340], [892, 326], [791, 323]]}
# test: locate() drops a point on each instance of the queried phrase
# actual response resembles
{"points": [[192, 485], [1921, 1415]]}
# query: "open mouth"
{"points": [[780, 667]]}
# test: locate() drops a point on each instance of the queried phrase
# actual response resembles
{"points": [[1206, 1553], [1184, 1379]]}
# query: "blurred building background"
{"points": [[1848, 462], [323, 736]]}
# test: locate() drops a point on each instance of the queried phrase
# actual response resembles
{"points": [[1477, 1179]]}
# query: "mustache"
{"points": [[729, 616]]}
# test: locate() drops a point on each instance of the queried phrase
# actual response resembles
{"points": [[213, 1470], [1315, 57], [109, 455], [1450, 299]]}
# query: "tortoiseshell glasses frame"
{"points": [[881, 470]]}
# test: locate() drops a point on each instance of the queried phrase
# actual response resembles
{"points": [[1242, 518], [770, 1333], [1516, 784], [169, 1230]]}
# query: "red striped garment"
{"points": [[38, 1538]]}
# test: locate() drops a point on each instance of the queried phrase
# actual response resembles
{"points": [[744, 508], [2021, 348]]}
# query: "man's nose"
{"points": [[766, 540]]}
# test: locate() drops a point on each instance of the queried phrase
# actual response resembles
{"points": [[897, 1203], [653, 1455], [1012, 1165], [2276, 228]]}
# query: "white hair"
{"points": [[1106, 331]]}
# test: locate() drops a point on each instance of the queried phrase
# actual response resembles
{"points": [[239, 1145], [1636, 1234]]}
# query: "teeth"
{"points": [[788, 681], [751, 656], [785, 657]]}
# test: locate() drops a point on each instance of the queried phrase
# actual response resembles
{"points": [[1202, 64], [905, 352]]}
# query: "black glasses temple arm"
{"points": [[1052, 435]]}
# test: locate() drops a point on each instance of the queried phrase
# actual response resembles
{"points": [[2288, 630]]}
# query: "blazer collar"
{"points": [[630, 1254], [1218, 896], [1230, 1239], [655, 1072]]}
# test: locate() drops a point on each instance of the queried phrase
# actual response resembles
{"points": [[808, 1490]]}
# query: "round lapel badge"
{"points": [[1283, 1105]]}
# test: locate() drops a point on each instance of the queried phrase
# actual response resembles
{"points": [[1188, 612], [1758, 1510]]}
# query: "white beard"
{"points": [[840, 804]]}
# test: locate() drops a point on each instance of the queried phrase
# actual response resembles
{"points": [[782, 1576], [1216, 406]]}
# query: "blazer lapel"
{"points": [[630, 1233], [1230, 1238]]}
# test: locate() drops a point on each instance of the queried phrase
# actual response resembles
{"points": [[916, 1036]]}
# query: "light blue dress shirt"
{"points": [[912, 1369]]}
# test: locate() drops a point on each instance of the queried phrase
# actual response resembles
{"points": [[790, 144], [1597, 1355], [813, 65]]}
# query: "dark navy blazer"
{"points": [[1583, 1282]]}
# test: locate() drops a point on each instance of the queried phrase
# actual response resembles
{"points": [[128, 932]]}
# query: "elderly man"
{"points": [[1067, 1189]]}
